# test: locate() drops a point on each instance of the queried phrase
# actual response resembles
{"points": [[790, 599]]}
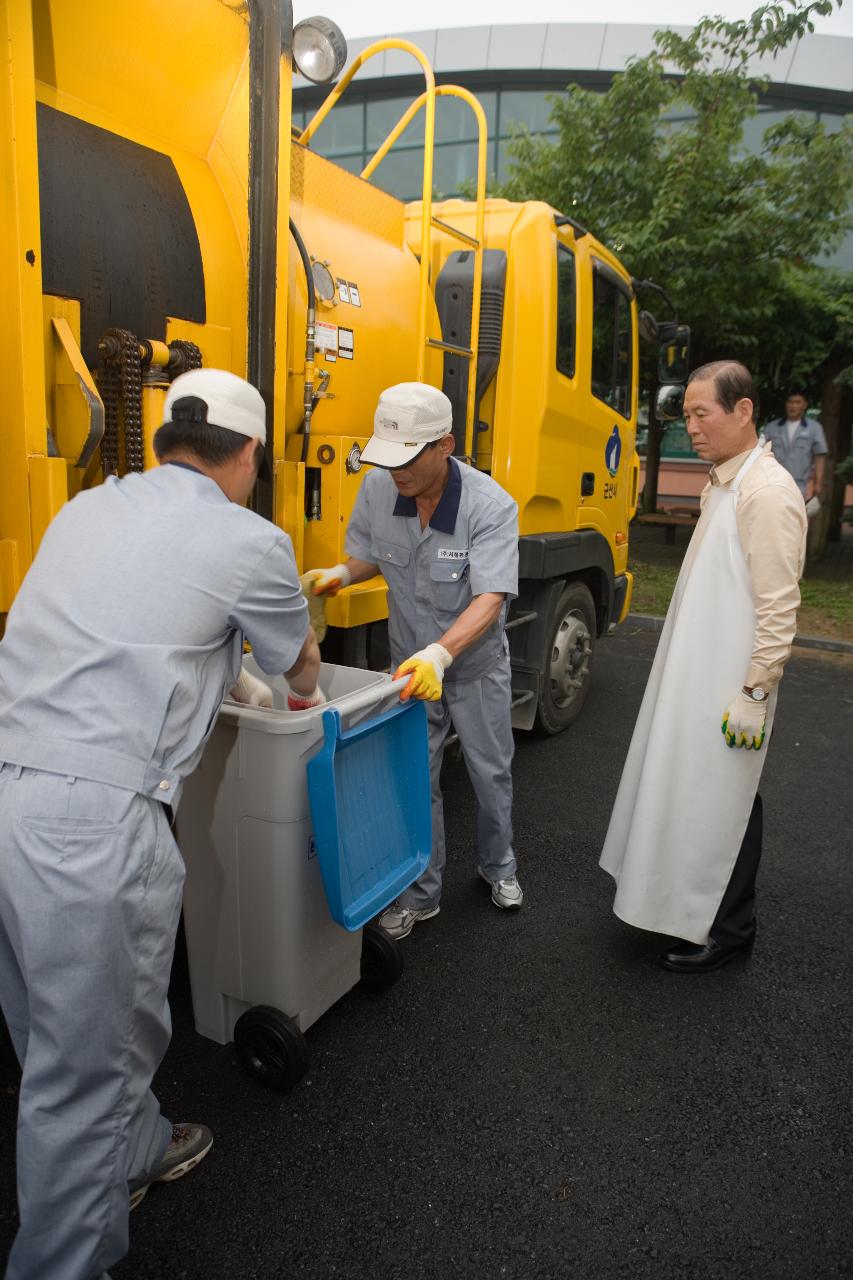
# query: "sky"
{"points": [[383, 17]]}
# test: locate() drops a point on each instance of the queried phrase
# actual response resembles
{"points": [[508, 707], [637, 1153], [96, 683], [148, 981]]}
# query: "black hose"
{"points": [[309, 337]]}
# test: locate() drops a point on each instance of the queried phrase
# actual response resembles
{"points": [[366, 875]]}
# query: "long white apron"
{"points": [[685, 796]]}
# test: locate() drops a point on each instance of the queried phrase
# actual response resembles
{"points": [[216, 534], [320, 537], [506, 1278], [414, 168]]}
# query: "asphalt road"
{"points": [[535, 1099]]}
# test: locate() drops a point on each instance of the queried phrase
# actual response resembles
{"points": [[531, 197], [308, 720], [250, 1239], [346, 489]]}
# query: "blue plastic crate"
{"points": [[369, 791]]}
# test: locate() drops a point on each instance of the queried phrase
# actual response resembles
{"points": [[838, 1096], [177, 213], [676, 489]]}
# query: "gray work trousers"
{"points": [[90, 897], [479, 711]]}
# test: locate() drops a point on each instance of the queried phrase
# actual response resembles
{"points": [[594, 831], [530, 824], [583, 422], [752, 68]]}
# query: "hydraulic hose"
{"points": [[308, 389]]}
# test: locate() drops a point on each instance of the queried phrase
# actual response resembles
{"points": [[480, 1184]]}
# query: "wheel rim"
{"points": [[267, 1057], [570, 655]]}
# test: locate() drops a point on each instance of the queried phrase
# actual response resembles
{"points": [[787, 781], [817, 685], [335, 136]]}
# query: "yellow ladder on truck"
{"points": [[429, 223]]}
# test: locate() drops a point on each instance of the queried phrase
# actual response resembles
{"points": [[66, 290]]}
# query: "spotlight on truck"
{"points": [[319, 49]]}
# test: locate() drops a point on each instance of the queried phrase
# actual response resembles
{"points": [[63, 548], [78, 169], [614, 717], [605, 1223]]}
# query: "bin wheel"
{"points": [[271, 1047], [381, 959]]}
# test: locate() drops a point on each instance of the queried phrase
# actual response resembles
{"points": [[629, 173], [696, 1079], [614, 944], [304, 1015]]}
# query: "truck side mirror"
{"points": [[673, 353], [669, 402]]}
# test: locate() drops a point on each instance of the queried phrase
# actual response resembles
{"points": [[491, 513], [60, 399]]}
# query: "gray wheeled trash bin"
{"points": [[266, 958]]}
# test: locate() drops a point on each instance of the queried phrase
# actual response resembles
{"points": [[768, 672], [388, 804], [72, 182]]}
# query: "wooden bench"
{"points": [[670, 521]]}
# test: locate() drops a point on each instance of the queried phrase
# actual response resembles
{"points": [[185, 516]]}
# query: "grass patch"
{"points": [[826, 610], [653, 586]]}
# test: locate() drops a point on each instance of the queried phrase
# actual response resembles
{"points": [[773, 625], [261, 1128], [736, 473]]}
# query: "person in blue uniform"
{"points": [[445, 538], [125, 636]]}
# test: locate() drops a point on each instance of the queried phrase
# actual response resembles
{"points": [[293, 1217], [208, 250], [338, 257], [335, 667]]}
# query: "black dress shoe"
{"points": [[688, 957]]}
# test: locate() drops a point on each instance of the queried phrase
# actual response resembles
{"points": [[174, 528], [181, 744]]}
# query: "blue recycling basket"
{"points": [[369, 791]]}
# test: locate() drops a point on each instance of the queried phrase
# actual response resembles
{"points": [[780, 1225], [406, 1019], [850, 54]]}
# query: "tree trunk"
{"points": [[835, 418], [837, 484]]}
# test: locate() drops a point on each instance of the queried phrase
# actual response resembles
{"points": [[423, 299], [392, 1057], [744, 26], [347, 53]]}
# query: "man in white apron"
{"points": [[684, 840]]}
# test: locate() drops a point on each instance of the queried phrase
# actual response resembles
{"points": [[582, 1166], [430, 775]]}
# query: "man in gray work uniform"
{"points": [[120, 646], [799, 444], [445, 538]]}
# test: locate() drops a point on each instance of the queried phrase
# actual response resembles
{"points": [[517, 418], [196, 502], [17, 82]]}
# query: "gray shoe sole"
{"points": [[397, 934], [501, 906], [170, 1175]]}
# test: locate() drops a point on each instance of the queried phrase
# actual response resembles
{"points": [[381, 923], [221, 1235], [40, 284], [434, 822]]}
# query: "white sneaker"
{"points": [[506, 894], [399, 921]]}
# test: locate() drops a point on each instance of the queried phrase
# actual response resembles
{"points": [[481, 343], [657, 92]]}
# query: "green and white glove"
{"points": [[328, 582], [743, 723], [316, 603]]}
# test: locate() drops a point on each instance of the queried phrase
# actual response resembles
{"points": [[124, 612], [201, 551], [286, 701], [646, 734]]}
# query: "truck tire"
{"points": [[567, 659]]}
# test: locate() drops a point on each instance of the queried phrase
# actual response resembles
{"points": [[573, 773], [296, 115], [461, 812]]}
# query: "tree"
{"points": [[656, 166]]}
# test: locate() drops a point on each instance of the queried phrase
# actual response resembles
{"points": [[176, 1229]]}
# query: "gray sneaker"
{"points": [[189, 1145], [506, 894], [399, 921]]}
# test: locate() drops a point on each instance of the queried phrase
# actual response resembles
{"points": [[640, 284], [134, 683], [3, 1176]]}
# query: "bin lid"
{"points": [[369, 790]]}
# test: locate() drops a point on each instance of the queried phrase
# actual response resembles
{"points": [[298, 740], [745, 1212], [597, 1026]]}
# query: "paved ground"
{"points": [[535, 1100]]}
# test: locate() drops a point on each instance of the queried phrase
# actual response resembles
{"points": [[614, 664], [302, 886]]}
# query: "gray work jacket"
{"points": [[469, 547], [798, 455], [128, 630]]}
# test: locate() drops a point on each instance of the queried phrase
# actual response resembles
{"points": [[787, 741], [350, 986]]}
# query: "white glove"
{"points": [[250, 690], [304, 701], [316, 604], [743, 723], [427, 668], [328, 582]]}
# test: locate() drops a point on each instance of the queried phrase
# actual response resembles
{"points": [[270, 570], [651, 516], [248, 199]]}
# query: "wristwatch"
{"points": [[757, 694]]}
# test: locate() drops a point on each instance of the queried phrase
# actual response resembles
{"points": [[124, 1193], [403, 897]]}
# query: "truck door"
{"points": [[607, 441]]}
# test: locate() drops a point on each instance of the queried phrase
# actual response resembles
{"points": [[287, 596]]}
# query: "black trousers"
{"points": [[734, 923]]}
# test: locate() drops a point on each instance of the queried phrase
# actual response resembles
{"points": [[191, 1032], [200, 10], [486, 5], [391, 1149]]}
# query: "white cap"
{"points": [[229, 401], [408, 417]]}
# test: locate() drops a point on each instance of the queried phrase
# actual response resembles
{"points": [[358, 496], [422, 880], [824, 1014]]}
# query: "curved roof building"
{"points": [[513, 69]]}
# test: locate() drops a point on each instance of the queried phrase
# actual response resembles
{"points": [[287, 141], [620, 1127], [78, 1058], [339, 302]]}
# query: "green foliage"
{"points": [[657, 169]]}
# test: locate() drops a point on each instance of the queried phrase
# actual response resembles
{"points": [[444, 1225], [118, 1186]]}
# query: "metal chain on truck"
{"points": [[120, 385], [183, 357]]}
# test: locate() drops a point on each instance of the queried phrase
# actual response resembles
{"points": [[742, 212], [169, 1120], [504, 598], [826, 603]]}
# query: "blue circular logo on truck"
{"points": [[613, 451]]}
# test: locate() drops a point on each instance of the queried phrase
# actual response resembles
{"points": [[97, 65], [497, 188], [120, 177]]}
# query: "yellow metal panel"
{"points": [[213, 341], [138, 66], [153, 399], [629, 594], [357, 605], [289, 511], [335, 191], [10, 573], [48, 492], [77, 411], [22, 418], [324, 538]]}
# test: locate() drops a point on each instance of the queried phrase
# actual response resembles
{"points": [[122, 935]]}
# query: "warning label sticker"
{"points": [[345, 344], [343, 290], [325, 336], [354, 295]]}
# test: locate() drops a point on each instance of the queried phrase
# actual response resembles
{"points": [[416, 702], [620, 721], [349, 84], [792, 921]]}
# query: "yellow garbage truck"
{"points": [[160, 212]]}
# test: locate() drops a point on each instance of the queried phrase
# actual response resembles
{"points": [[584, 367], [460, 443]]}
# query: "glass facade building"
{"points": [[516, 96]]}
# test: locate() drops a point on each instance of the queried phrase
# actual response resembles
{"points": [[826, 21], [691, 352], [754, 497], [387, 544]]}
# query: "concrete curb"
{"points": [[647, 622]]}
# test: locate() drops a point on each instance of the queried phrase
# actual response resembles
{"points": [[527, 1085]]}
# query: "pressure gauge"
{"points": [[323, 282]]}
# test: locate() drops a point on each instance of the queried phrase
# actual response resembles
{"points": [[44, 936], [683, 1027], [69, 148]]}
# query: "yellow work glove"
{"points": [[316, 604], [328, 582], [427, 668], [743, 723], [251, 691], [305, 701]]}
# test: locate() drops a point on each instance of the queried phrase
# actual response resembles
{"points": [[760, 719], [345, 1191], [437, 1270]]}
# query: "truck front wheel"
{"points": [[568, 659]]}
